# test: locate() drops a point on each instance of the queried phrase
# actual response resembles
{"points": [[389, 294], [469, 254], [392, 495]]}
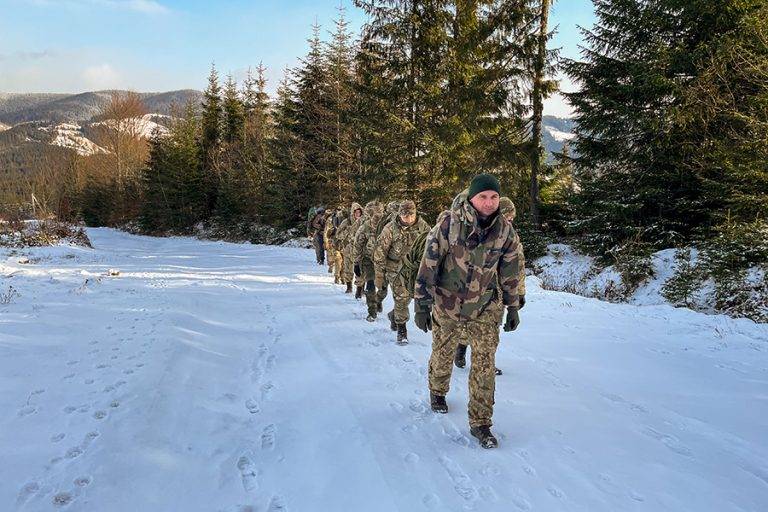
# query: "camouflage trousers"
{"points": [[348, 273], [482, 334], [368, 276], [498, 308], [402, 296], [338, 265]]}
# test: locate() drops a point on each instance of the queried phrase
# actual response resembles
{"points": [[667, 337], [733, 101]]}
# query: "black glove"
{"points": [[358, 273], [513, 319], [522, 301], [423, 315]]}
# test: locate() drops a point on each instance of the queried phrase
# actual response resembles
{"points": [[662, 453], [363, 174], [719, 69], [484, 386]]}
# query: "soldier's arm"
{"points": [[383, 244], [509, 270], [435, 249], [360, 240]]}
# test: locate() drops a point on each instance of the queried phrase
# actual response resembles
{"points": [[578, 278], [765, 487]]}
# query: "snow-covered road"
{"points": [[223, 377]]}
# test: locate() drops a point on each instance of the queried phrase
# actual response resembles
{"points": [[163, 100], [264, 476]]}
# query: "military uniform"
{"points": [[468, 264], [343, 242], [365, 244], [390, 212], [394, 244], [315, 229], [508, 211]]}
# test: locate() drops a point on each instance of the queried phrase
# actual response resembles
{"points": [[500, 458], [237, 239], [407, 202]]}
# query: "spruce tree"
{"points": [[210, 138]]}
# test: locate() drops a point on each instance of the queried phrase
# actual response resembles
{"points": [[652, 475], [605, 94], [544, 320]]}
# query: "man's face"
{"points": [[358, 213], [408, 219], [486, 202]]}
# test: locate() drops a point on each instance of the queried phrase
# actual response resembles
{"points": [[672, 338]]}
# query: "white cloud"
{"points": [[102, 76]]}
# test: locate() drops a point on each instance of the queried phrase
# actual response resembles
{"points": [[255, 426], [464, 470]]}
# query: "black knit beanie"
{"points": [[481, 183]]}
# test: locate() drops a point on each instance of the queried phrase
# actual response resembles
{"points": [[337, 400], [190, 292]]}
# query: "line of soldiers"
{"points": [[463, 274]]}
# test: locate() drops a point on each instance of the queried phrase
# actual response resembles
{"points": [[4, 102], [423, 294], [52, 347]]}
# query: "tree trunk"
{"points": [[538, 107]]}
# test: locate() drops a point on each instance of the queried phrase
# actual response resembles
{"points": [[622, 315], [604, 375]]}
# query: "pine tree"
{"points": [[631, 151], [233, 113], [210, 137], [173, 180]]}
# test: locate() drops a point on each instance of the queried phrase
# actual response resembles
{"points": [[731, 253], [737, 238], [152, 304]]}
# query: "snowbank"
{"points": [[563, 268]]}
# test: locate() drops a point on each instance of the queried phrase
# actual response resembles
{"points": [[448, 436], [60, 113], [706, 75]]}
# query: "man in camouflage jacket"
{"points": [[315, 228], [393, 245], [365, 244], [508, 210], [343, 242], [335, 260], [390, 212], [470, 260]]}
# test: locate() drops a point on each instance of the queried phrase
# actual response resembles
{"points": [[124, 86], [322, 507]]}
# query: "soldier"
{"points": [[315, 228], [342, 241], [327, 227], [394, 243], [365, 244], [470, 258], [390, 213], [331, 225], [507, 209]]}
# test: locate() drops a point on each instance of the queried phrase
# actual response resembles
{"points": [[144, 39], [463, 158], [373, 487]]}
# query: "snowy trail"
{"points": [[222, 377]]}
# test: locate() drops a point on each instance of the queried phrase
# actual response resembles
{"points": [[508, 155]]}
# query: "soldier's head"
{"points": [[373, 208], [483, 194], [507, 208], [355, 211], [407, 212]]}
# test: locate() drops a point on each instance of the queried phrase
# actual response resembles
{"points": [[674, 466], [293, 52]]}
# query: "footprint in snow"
{"points": [[277, 504], [62, 499], [247, 473], [268, 437]]}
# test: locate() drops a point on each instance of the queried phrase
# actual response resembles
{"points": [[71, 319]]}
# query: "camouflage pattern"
{"points": [[315, 228], [394, 242], [343, 241], [365, 244], [328, 232], [482, 334], [466, 267], [393, 245]]}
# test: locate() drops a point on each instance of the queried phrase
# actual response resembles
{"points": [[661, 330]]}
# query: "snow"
{"points": [[70, 136], [558, 135], [4, 127], [210, 376], [142, 126]]}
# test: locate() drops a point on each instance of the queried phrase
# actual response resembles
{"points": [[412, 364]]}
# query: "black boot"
{"points": [[379, 307], [359, 292], [392, 324], [484, 435], [349, 288], [438, 403], [499, 372], [402, 334], [460, 358], [371, 313]]}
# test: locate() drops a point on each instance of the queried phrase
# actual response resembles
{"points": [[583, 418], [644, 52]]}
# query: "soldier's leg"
{"points": [[338, 266], [366, 267], [445, 334], [347, 273], [319, 248], [402, 296], [483, 335], [381, 293]]}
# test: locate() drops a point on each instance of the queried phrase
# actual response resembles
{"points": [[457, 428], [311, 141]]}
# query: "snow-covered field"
{"points": [[209, 376]]}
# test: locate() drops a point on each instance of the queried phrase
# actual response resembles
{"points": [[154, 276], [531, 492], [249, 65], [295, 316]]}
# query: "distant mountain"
{"points": [[79, 108], [556, 131]]}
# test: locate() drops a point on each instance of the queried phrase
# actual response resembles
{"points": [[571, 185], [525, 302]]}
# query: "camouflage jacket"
{"points": [[346, 230], [394, 243], [365, 238], [466, 267]]}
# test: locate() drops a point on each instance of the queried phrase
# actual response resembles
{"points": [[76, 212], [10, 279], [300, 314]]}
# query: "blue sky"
{"points": [[159, 45]]}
